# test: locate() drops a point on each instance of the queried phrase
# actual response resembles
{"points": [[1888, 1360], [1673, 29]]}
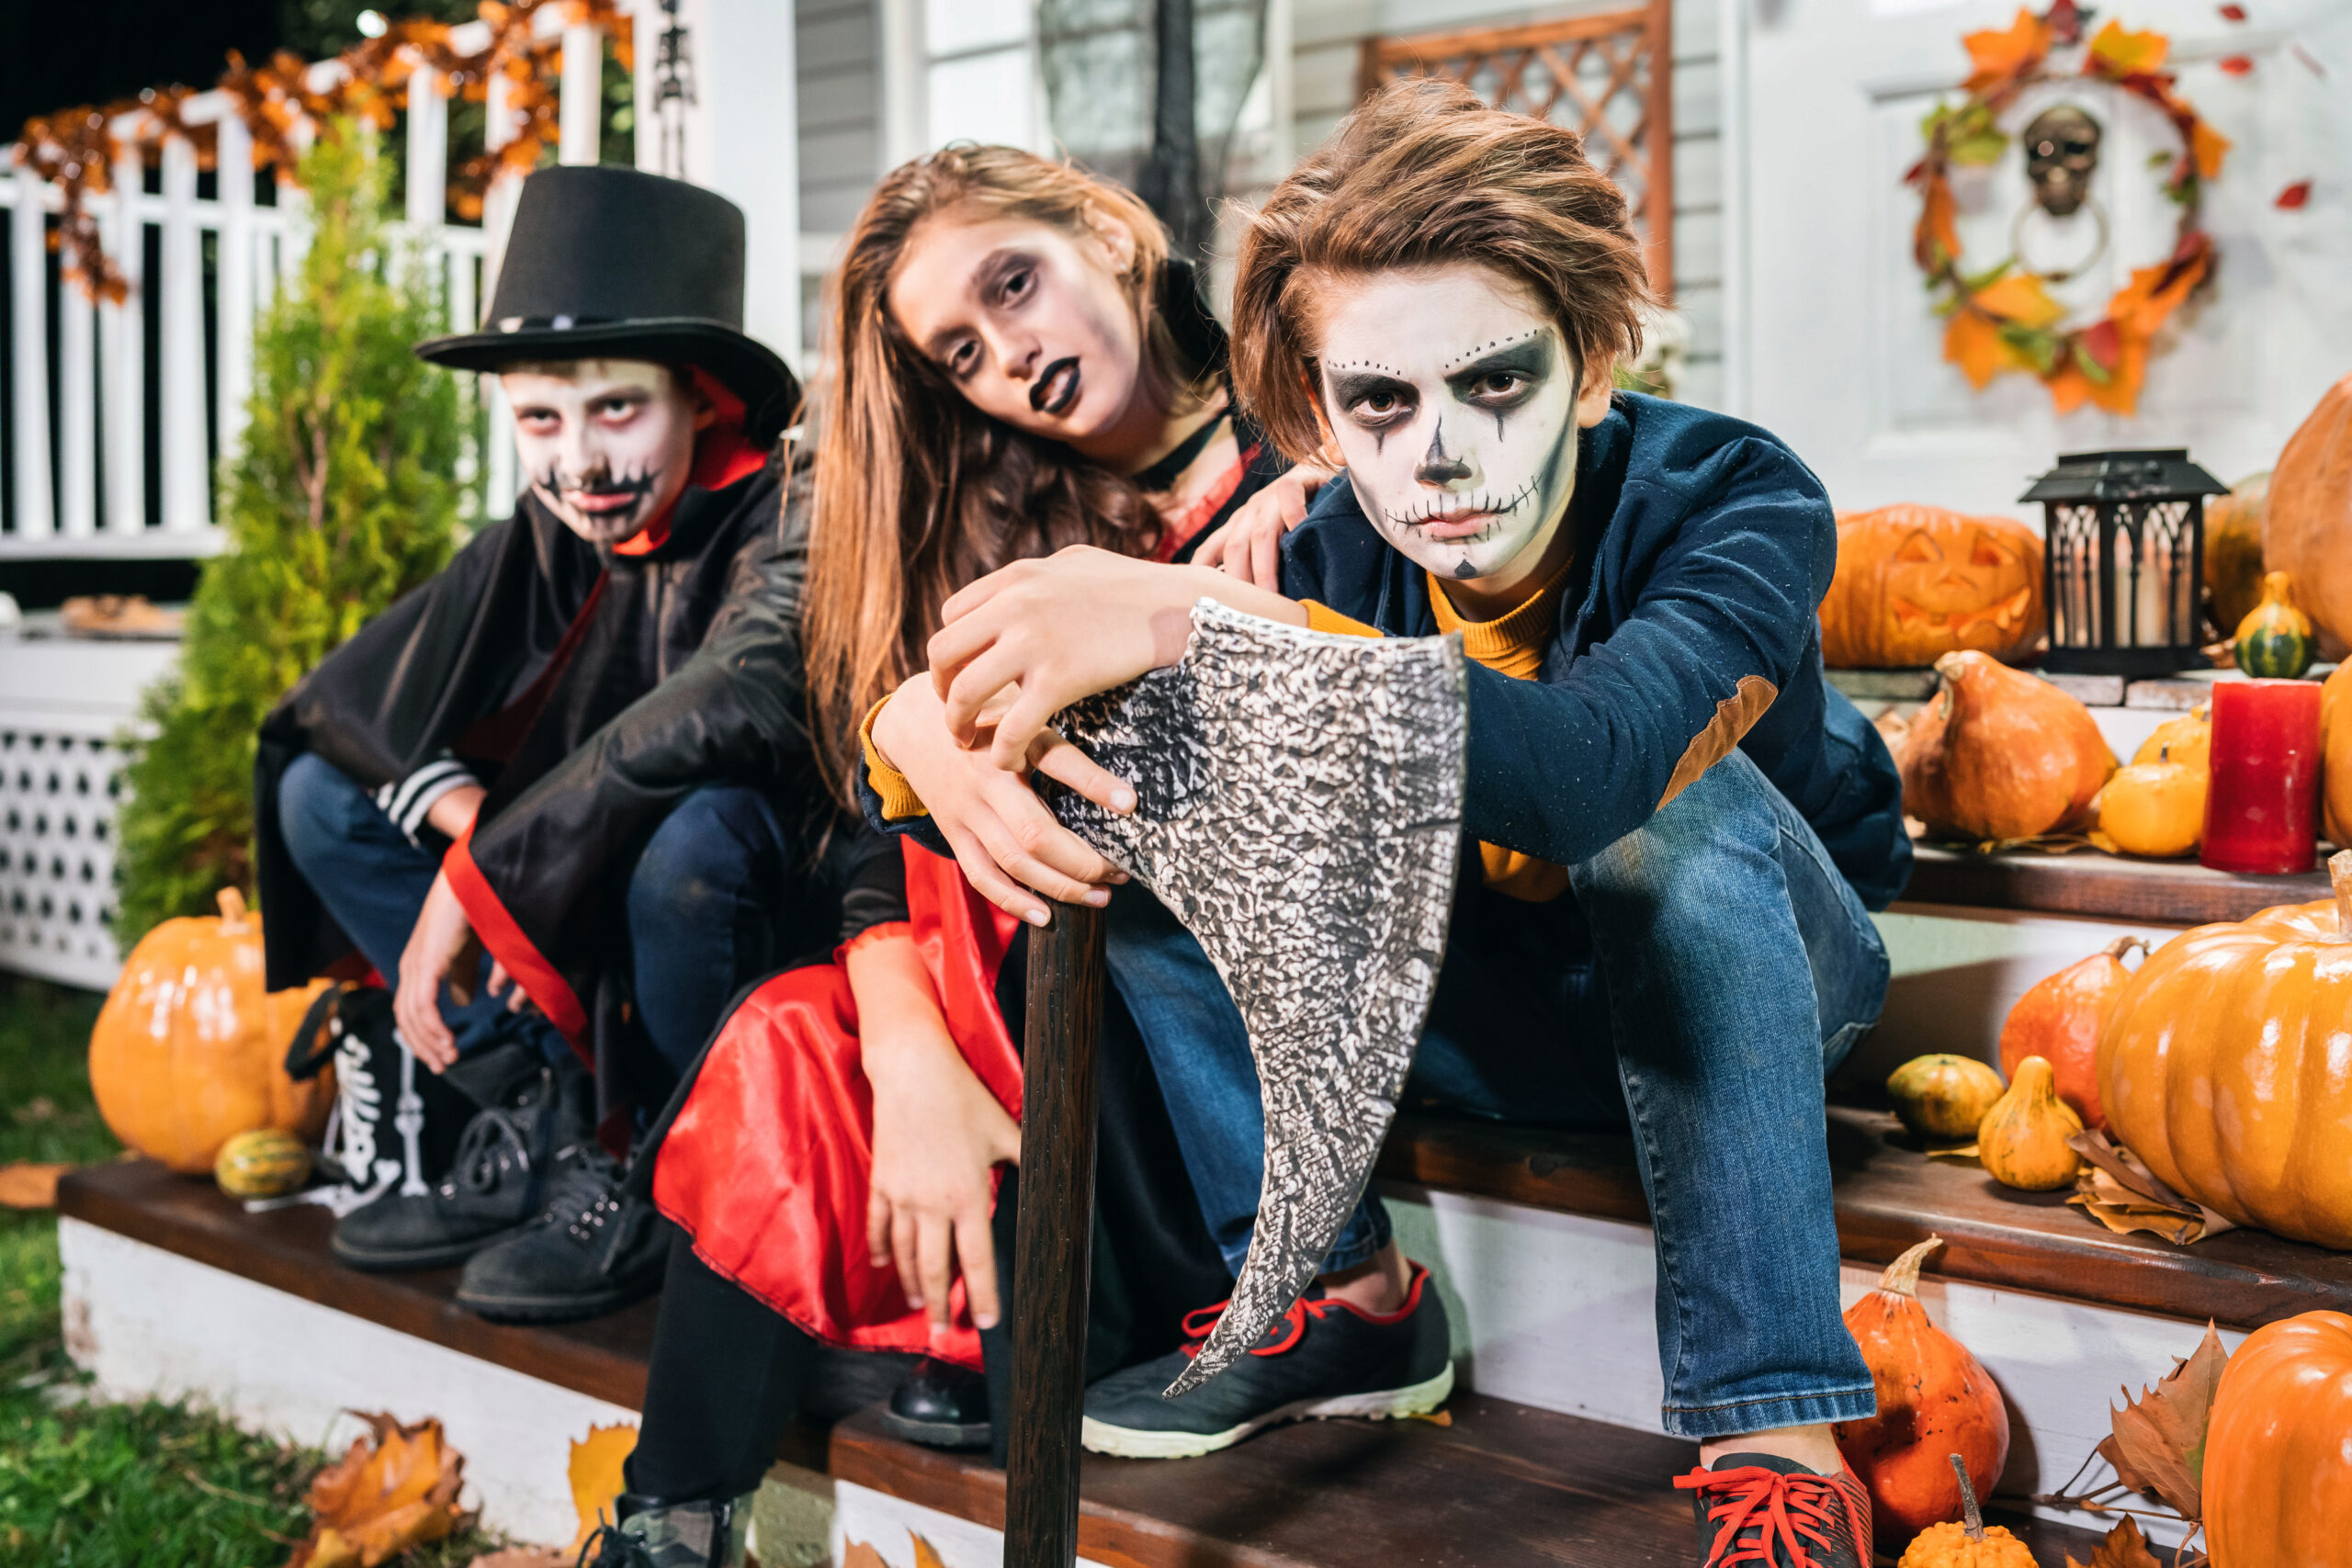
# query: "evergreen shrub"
{"points": [[342, 497]]}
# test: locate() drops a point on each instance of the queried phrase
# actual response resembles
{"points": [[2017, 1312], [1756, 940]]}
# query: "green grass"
{"points": [[86, 1485]]}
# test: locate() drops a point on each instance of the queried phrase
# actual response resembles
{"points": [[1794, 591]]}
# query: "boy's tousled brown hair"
{"points": [[1424, 175], [916, 491]]}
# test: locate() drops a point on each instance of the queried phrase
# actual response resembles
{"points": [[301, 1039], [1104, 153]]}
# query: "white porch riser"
{"points": [[144, 1321], [1558, 1310]]}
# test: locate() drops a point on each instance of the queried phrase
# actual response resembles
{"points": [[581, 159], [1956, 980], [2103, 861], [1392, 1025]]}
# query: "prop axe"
{"points": [[1299, 810]]}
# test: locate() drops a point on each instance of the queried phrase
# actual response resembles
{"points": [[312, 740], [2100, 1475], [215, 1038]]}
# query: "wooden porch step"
{"points": [[1889, 1198], [1503, 1484], [2092, 883]]}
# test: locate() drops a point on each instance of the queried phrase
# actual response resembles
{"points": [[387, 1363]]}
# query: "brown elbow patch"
{"points": [[1734, 716]]}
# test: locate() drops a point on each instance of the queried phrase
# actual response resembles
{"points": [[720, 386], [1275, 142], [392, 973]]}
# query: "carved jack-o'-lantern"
{"points": [[1916, 583]]}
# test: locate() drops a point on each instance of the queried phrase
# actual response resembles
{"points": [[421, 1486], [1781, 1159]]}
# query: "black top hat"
{"points": [[611, 263]]}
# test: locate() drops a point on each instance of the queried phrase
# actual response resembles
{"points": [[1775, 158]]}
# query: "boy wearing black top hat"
{"points": [[558, 796]]}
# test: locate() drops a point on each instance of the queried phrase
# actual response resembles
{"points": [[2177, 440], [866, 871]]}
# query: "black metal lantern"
{"points": [[2123, 561]]}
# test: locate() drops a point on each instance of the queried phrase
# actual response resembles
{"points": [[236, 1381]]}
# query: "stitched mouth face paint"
{"points": [[608, 442], [1456, 403]]}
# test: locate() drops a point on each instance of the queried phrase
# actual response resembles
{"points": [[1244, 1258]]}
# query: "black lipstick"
{"points": [[1053, 391]]}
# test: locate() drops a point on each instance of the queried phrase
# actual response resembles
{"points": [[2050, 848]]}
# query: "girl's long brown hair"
{"points": [[918, 493]]}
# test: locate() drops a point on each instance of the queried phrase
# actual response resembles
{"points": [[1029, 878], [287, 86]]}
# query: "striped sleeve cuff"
{"points": [[899, 802], [407, 800]]}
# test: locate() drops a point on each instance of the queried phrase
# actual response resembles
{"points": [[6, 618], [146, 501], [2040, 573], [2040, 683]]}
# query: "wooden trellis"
{"points": [[1608, 75]]}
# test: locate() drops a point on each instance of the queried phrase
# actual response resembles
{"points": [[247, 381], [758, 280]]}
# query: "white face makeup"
{"points": [[1033, 326], [608, 442], [1456, 405]]}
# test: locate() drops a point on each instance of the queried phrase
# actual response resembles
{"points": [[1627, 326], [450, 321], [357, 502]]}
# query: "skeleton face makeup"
{"points": [[1455, 400], [608, 442]]}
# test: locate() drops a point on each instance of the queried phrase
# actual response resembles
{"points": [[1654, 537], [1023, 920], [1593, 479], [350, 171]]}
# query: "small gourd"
{"points": [[267, 1162], [1944, 1095], [2275, 640], [2155, 809], [2022, 1141], [2189, 739], [1999, 754], [1969, 1544]]}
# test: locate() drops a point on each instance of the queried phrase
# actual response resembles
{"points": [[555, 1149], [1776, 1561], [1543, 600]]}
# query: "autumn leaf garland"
{"points": [[2003, 319]]}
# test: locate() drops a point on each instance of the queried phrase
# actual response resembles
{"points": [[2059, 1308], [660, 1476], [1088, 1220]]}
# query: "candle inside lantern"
{"points": [[2262, 806]]}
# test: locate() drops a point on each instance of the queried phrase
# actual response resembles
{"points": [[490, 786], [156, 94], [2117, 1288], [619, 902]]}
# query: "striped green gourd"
{"points": [[2275, 639]]}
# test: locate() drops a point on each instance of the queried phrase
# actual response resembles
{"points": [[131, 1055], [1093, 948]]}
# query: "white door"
{"points": [[1843, 355]]}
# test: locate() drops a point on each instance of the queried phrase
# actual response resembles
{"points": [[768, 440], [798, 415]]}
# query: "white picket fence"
{"points": [[79, 445]]}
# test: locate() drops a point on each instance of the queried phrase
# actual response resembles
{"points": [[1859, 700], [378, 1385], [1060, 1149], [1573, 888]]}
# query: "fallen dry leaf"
{"points": [[596, 1478], [2123, 1547], [2158, 1443], [861, 1556], [24, 1185], [396, 1488], [926, 1556], [2121, 1192]]}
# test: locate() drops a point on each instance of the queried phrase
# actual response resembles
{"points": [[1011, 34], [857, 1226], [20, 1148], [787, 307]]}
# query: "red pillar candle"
{"points": [[2262, 807]]}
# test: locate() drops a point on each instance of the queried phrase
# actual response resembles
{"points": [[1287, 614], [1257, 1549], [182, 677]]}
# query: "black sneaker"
{"points": [[940, 1405], [594, 1248], [1324, 1358], [1763, 1511], [494, 1183], [671, 1535]]}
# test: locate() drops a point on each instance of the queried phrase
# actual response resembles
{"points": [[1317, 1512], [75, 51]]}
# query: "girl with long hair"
{"points": [[1019, 367]]}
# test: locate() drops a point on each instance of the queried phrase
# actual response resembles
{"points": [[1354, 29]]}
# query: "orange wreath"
{"points": [[2003, 319]]}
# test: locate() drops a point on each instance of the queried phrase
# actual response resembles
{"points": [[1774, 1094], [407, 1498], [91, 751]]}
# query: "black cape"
{"points": [[590, 691]]}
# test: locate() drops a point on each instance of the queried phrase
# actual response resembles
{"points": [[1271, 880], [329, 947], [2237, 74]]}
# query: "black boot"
{"points": [[653, 1534], [940, 1405], [594, 1248], [496, 1183]]}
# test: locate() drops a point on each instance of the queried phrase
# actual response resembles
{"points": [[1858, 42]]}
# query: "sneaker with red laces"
{"points": [[1763, 1511], [1325, 1357]]}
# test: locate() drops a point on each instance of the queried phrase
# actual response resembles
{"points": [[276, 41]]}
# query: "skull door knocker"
{"points": [[2060, 156]]}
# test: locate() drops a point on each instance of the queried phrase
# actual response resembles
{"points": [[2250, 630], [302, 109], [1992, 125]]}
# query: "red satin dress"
{"points": [[766, 1165]]}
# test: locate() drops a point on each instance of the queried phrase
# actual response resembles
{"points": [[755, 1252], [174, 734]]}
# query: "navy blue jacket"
{"points": [[1704, 547]]}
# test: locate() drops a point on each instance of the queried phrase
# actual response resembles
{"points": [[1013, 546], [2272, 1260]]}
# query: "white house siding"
{"points": [[841, 133]]}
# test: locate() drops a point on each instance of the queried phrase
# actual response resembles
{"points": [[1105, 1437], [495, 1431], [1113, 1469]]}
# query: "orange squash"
{"points": [[2022, 1140], [2308, 529], [2188, 741], [1967, 1542], [190, 1049], [1934, 1400], [2222, 1066], [2155, 809], [1915, 582], [2277, 1478], [2000, 754], [2336, 756], [2060, 1019], [2233, 529]]}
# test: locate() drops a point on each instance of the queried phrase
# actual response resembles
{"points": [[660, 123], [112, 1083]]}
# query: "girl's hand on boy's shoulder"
{"points": [[1062, 628], [1248, 545], [1006, 840]]}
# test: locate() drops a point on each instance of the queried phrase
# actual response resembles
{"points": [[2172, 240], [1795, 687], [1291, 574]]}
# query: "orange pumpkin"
{"points": [[190, 1049], [2060, 1020], [2308, 529], [2222, 1066], [2336, 756], [2277, 1478], [1915, 582], [1999, 754], [1935, 1400], [2233, 528]]}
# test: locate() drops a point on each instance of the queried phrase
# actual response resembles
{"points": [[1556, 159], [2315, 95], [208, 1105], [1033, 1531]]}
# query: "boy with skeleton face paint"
{"points": [[558, 796], [1679, 825]]}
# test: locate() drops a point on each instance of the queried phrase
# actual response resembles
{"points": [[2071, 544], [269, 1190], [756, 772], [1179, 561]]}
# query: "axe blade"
{"points": [[1299, 810]]}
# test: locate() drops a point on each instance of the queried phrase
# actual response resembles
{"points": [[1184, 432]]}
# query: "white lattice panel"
{"points": [[63, 709]]}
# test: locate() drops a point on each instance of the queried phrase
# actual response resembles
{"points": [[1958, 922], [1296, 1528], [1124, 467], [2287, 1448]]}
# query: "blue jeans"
{"points": [[1702, 978], [707, 904]]}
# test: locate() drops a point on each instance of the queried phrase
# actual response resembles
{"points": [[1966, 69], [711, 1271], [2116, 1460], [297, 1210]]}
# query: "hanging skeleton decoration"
{"points": [[1299, 810], [2062, 147]]}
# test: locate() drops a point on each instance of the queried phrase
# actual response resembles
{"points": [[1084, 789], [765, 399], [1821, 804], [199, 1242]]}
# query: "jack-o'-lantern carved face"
{"points": [[1916, 583]]}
